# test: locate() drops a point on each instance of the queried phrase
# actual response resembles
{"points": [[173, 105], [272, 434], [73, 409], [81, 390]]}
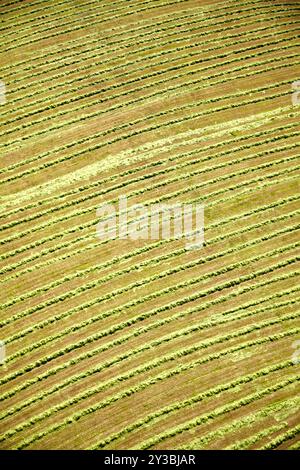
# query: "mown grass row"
{"points": [[52, 87], [137, 80], [209, 9], [87, 67], [146, 166], [251, 441], [290, 434], [108, 43], [216, 320], [133, 62], [160, 184], [136, 133], [25, 443], [49, 321], [152, 164], [149, 262], [181, 405], [132, 390], [113, 15], [74, 43], [151, 153], [83, 140], [127, 256], [157, 244], [141, 330], [181, 177], [61, 15], [148, 117], [218, 412], [153, 312], [95, 245], [27, 5], [240, 423], [32, 40], [154, 174], [147, 248], [54, 410], [16, 44], [157, 200]]}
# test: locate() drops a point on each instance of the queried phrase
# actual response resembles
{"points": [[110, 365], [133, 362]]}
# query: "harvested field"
{"points": [[145, 343]]}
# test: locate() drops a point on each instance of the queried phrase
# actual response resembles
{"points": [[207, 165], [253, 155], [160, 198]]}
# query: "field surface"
{"points": [[145, 344]]}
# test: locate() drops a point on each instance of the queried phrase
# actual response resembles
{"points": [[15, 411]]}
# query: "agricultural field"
{"points": [[125, 343]]}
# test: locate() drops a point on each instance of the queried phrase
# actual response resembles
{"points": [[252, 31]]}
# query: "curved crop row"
{"points": [[160, 184], [126, 256], [52, 87], [94, 245], [162, 161], [17, 44], [156, 200], [136, 80], [239, 423], [178, 406], [197, 140], [73, 43], [217, 320], [62, 15], [89, 354], [108, 43], [220, 411], [151, 261], [118, 396], [164, 308], [83, 140], [290, 434]]}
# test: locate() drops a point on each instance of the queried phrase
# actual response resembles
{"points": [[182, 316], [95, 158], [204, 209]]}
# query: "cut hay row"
{"points": [[154, 164], [129, 255], [51, 250], [62, 13], [162, 161], [41, 156], [138, 79], [165, 102], [156, 244], [111, 344], [142, 385], [116, 67], [142, 131], [69, 294], [165, 198], [224, 133], [178, 39], [33, 40], [164, 308], [195, 399], [247, 443], [20, 43], [238, 424], [222, 410], [218, 320], [78, 42], [167, 182], [154, 261], [282, 438]]}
